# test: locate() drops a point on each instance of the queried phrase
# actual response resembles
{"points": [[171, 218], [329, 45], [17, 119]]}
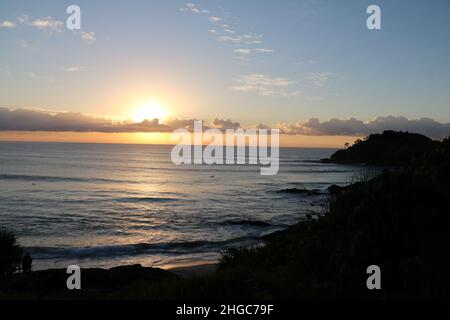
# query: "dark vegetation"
{"points": [[119, 282], [399, 220], [390, 148], [10, 252]]}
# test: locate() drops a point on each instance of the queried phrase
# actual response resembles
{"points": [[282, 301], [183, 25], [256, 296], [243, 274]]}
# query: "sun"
{"points": [[150, 110]]}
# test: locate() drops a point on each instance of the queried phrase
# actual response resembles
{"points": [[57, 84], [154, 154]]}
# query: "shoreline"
{"points": [[189, 269], [108, 283], [194, 268]]}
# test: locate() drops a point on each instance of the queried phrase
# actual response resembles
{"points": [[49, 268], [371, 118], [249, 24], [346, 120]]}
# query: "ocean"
{"points": [[103, 205]]}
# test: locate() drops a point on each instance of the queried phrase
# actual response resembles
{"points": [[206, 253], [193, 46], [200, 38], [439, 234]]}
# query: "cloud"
{"points": [[47, 24], [8, 24], [242, 56], [225, 124], [23, 19], [229, 39], [187, 124], [249, 51], [37, 120], [88, 37], [262, 126], [318, 79], [265, 85], [248, 39], [355, 127], [194, 8], [41, 120], [251, 38], [214, 19], [73, 69], [263, 50], [224, 33], [425, 126]]}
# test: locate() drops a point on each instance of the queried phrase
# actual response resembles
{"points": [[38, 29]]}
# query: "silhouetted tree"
{"points": [[10, 252]]}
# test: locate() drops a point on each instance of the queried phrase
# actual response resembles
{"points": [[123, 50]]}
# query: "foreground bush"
{"points": [[10, 252]]}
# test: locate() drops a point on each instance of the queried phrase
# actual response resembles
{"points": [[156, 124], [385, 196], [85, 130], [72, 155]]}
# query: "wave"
{"points": [[138, 249], [35, 178], [288, 170], [253, 223], [145, 199], [312, 192]]}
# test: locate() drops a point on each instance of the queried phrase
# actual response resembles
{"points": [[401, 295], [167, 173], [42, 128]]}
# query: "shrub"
{"points": [[10, 252]]}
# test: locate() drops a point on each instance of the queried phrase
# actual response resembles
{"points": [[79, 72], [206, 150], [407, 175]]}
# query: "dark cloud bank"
{"points": [[355, 127], [33, 120]]}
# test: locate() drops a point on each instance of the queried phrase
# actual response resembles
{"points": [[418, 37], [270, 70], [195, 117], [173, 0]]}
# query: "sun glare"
{"points": [[150, 110]]}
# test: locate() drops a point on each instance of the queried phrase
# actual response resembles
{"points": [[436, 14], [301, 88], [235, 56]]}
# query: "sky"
{"points": [[309, 67]]}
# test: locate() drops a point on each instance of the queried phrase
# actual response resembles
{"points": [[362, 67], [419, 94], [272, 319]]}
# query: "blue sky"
{"points": [[250, 61]]}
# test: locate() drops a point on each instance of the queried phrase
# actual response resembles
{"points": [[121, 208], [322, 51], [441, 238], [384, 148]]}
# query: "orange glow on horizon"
{"points": [[161, 138]]}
